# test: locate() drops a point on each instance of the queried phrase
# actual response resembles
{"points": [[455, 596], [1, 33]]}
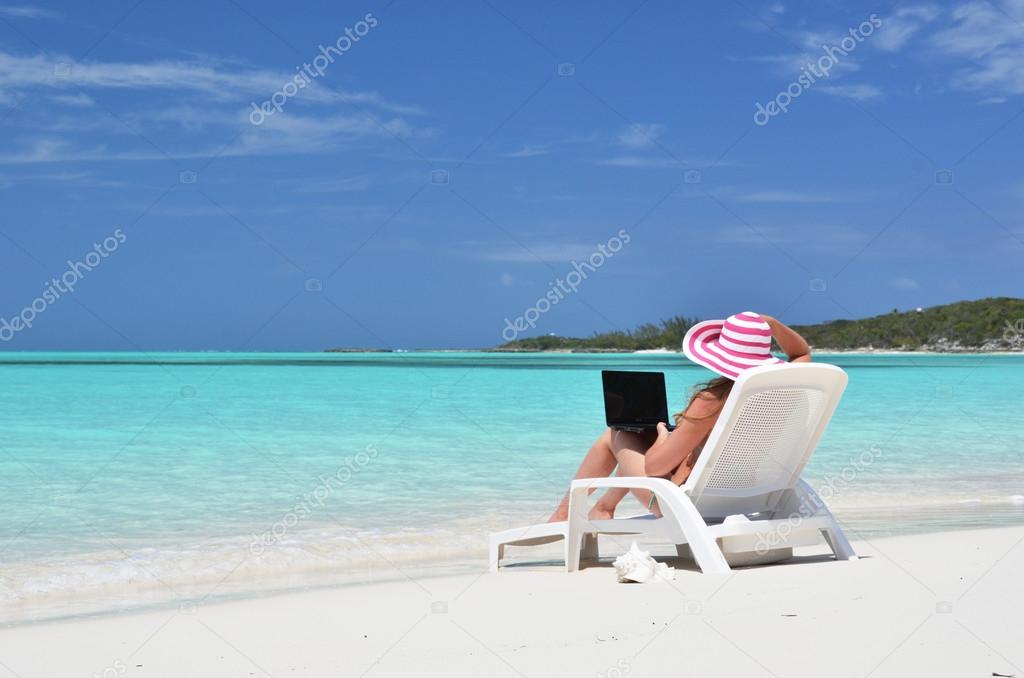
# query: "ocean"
{"points": [[152, 479]]}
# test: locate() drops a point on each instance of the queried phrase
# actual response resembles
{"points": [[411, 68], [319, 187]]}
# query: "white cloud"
{"points": [[641, 135], [318, 121], [903, 283], [532, 253], [204, 76], [743, 235], [990, 37], [26, 12], [789, 65], [282, 134], [897, 29], [80, 100], [337, 185], [289, 133], [77, 179], [641, 161], [857, 92], [977, 29], [786, 197], [793, 237], [528, 152]]}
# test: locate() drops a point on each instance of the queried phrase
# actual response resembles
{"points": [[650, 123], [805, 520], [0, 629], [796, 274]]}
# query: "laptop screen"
{"points": [[634, 398]]}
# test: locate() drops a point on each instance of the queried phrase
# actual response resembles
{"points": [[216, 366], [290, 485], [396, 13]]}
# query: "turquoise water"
{"points": [[135, 478]]}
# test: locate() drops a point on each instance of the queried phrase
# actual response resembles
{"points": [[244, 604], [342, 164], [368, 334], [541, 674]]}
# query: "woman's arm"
{"points": [[791, 343], [669, 453]]}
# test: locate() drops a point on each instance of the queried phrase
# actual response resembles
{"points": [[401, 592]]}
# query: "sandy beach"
{"points": [[942, 604]]}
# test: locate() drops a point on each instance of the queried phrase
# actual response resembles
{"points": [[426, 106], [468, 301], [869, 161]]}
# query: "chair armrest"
{"points": [[683, 523], [656, 485]]}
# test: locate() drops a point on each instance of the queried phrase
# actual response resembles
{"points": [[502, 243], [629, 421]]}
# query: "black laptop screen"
{"points": [[632, 398]]}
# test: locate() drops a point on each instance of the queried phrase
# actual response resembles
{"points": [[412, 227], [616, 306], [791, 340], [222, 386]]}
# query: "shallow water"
{"points": [[137, 478]]}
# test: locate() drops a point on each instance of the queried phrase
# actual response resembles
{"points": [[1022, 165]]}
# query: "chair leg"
{"points": [[838, 542], [577, 525], [496, 553], [702, 544], [833, 534]]}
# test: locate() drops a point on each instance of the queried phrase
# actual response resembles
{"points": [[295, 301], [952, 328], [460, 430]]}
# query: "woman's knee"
{"points": [[627, 440]]}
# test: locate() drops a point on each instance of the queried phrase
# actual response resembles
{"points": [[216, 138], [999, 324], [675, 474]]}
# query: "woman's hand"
{"points": [[669, 451], [663, 433], [792, 344]]}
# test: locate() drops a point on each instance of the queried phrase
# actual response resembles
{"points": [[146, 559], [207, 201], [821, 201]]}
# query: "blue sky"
{"points": [[455, 160]]}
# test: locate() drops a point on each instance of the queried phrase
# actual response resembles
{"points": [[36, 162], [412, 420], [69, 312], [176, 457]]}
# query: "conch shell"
{"points": [[637, 566]]}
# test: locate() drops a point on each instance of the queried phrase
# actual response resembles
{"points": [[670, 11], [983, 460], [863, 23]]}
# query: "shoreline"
{"points": [[535, 620], [160, 583]]}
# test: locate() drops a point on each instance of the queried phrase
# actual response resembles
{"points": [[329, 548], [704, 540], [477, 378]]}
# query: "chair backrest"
{"points": [[768, 428]]}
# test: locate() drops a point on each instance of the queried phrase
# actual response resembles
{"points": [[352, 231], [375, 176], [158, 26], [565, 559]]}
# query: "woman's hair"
{"points": [[716, 389]]}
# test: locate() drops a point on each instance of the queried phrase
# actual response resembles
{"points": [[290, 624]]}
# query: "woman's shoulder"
{"points": [[704, 404]]}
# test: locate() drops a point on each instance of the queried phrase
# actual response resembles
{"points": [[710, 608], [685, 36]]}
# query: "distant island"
{"points": [[985, 325]]}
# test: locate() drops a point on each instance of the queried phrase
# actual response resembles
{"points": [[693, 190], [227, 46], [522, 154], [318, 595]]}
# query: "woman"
{"points": [[728, 347]]}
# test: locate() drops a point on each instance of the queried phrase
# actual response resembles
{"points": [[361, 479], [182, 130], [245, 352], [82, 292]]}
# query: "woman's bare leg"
{"points": [[599, 462], [611, 449], [628, 450]]}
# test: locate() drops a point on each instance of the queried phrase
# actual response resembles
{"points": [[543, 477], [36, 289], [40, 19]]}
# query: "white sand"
{"points": [[925, 605]]}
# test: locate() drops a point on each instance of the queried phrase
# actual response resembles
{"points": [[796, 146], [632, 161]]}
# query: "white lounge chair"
{"points": [[744, 502]]}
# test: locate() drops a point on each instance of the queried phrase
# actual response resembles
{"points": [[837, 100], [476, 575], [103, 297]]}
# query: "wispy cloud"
{"points": [[328, 119], [295, 134], [80, 100], [335, 185], [786, 197], [816, 237], [641, 135], [281, 135], [528, 152], [641, 161], [78, 179], [898, 28], [903, 283], [206, 77], [27, 12], [533, 253], [990, 35], [856, 92], [981, 42]]}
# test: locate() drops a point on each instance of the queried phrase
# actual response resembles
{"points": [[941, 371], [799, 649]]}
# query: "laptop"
{"points": [[634, 401]]}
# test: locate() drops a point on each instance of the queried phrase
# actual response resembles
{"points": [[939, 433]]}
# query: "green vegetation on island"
{"points": [[993, 324]]}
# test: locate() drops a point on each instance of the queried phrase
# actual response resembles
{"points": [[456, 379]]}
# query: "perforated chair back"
{"points": [[767, 430]]}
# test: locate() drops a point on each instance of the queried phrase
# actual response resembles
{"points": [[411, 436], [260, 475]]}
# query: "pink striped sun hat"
{"points": [[731, 346]]}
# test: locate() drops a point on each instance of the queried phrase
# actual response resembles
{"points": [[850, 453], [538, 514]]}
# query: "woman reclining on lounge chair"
{"points": [[728, 347]]}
